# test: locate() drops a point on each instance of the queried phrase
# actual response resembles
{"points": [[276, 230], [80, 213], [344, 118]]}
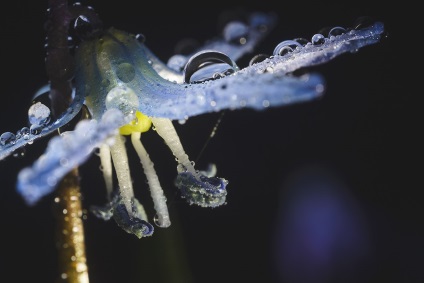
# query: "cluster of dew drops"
{"points": [[39, 116]]}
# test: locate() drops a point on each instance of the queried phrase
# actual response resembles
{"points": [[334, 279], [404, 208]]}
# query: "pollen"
{"points": [[140, 124]]}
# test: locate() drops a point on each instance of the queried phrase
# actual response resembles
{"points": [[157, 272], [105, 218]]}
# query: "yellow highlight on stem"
{"points": [[140, 124]]}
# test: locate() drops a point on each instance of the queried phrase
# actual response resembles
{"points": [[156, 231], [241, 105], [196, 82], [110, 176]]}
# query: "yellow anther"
{"points": [[140, 124]]}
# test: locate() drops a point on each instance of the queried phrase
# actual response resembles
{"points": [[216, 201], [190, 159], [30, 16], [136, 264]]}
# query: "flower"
{"points": [[127, 90]]}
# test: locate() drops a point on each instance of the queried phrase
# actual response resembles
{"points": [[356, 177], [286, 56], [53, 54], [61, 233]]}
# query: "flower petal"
{"points": [[22, 140], [64, 153]]}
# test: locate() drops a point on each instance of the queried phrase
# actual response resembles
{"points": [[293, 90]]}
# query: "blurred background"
{"points": [[320, 192]]}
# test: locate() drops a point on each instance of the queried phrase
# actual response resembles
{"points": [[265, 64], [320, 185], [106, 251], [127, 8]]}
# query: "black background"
{"points": [[364, 130]]}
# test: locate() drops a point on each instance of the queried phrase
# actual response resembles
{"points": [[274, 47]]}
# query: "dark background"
{"points": [[363, 133]]}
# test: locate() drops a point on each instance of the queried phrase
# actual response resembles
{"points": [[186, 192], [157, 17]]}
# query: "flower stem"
{"points": [[70, 231]]}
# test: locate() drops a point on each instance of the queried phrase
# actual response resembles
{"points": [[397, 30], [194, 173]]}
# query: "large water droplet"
{"points": [[122, 98], [39, 114], [208, 65]]}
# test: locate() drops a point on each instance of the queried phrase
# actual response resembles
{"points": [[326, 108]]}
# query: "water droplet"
{"points": [[140, 38], [336, 31], [318, 39], [285, 47], [24, 131], [125, 72], [83, 28], [158, 222], [122, 98], [208, 65], [258, 58], [7, 138], [39, 114], [236, 32], [35, 129]]}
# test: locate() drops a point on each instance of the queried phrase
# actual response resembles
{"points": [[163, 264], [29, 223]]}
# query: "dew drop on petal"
{"points": [[318, 39], [7, 138], [140, 38], [208, 65], [35, 129], [24, 131], [38, 114]]}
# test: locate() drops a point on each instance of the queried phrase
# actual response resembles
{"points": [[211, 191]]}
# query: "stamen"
{"points": [[106, 167], [159, 199], [120, 162], [166, 130]]}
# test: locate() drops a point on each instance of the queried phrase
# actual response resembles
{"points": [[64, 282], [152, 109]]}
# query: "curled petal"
{"points": [[28, 138], [203, 190], [64, 153], [131, 224], [133, 221]]}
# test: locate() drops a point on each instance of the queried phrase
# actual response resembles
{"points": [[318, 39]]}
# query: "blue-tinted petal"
{"points": [[64, 153], [311, 55], [118, 59], [22, 140]]}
